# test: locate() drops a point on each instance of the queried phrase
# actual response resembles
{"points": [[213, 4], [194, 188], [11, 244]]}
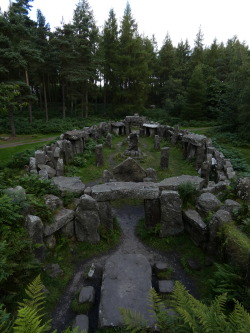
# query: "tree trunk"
{"points": [[82, 107], [12, 123], [29, 106], [86, 104], [63, 101], [45, 100], [71, 107]]}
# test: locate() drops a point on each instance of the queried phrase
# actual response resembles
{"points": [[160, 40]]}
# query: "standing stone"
{"points": [[32, 165], [60, 167], [164, 157], [220, 218], [106, 214], [35, 230], [106, 176], [171, 214], [151, 174], [126, 283], [87, 220], [133, 142], [40, 157], [99, 155], [109, 140], [127, 128], [152, 212], [157, 142]]}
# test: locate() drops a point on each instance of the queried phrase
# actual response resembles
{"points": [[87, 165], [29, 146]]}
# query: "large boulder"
{"points": [[126, 283], [219, 219], [17, 194], [63, 217], [243, 189], [206, 203], [51, 171], [171, 215], [129, 171], [195, 227], [69, 184], [52, 201], [173, 183], [87, 220]]}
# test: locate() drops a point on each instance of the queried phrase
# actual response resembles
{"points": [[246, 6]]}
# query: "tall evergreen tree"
{"points": [[133, 67], [109, 52], [196, 96], [86, 44]]}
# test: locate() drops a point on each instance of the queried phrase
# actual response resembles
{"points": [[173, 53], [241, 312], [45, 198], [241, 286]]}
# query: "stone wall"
{"points": [[161, 200]]}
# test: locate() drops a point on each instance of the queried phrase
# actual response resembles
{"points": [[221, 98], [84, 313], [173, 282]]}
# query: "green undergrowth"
{"points": [[185, 249], [236, 244], [84, 165], [68, 253]]}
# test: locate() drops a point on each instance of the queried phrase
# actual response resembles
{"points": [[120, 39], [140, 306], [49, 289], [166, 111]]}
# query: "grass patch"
{"points": [[84, 165], [185, 249], [80, 308], [237, 244], [66, 254], [8, 154]]}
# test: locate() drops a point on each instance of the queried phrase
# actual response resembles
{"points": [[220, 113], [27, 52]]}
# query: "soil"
{"points": [[128, 217]]}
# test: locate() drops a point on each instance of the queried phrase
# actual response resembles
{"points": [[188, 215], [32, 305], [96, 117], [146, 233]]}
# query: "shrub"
{"points": [[188, 194], [19, 160], [37, 186], [237, 244]]}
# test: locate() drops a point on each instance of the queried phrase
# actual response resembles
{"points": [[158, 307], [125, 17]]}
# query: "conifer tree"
{"points": [[196, 96]]}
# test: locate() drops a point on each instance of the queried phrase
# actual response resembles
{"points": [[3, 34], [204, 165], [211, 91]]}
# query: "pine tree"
{"points": [[109, 53], [196, 96]]}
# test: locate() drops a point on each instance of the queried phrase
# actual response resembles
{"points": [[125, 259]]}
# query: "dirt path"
{"points": [[128, 217], [15, 144]]}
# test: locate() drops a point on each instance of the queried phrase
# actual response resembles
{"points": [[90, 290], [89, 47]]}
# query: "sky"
{"points": [[181, 19]]}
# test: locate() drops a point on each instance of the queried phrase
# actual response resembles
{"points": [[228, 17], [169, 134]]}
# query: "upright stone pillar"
{"points": [[109, 140], [99, 155], [164, 157], [171, 214], [157, 142], [127, 129], [87, 220], [152, 212]]}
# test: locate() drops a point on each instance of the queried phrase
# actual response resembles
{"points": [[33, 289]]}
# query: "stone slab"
{"points": [[126, 283], [173, 182], [69, 184], [122, 190]]}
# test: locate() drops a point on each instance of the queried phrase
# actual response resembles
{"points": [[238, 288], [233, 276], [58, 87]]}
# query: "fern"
{"points": [[239, 319], [28, 321], [5, 322], [134, 321], [29, 316]]}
